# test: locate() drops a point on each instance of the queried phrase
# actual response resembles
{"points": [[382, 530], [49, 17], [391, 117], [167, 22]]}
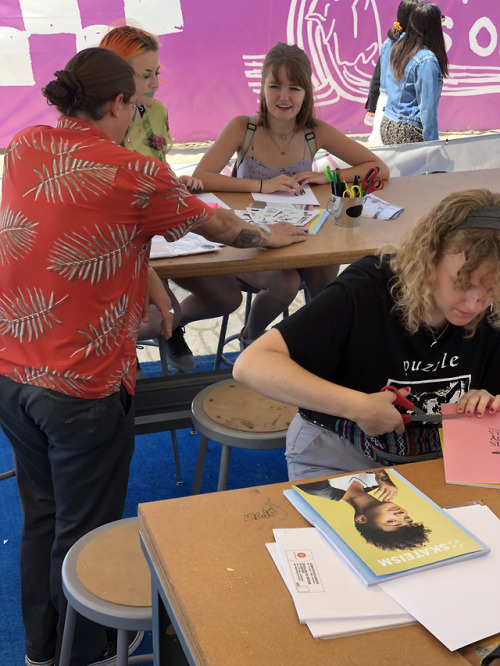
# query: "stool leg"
{"points": [[162, 347], [68, 633], [220, 344], [177, 462], [122, 648], [200, 464], [224, 467]]}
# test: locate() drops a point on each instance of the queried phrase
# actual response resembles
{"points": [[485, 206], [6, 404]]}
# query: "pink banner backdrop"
{"points": [[212, 53]]}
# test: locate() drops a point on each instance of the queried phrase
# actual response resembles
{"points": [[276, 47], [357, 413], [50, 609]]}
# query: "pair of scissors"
{"points": [[418, 414], [371, 181], [353, 192]]}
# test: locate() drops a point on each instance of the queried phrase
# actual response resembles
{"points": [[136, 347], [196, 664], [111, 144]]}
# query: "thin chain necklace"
{"points": [[436, 340], [281, 136], [282, 149]]}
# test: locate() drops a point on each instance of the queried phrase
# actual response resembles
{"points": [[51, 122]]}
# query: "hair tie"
{"points": [[73, 83], [481, 218], [397, 26]]}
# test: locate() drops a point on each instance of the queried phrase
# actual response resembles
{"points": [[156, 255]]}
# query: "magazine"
{"points": [[471, 449], [383, 525]]}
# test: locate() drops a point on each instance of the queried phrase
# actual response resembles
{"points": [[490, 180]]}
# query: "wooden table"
{"points": [[164, 403], [333, 244], [213, 575]]}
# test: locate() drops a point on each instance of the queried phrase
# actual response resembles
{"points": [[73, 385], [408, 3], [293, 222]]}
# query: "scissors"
{"points": [[353, 192], [371, 181], [418, 414]]}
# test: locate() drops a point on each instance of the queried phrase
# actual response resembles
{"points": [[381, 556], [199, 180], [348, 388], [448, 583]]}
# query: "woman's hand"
{"points": [[194, 185], [311, 177], [478, 401], [376, 415], [282, 183]]}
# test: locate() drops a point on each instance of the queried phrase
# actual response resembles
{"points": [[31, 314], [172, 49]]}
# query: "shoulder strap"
{"points": [[311, 141], [251, 127]]}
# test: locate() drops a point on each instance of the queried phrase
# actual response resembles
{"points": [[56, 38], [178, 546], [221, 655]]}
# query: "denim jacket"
{"points": [[385, 52], [415, 98]]}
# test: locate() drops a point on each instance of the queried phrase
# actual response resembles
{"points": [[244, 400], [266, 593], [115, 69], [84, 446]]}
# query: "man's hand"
{"points": [[226, 227], [156, 294], [284, 233]]}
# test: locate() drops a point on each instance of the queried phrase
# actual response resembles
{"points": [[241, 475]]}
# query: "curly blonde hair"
{"points": [[435, 235]]}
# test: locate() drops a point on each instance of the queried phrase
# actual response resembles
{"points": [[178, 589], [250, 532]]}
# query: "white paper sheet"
{"points": [[191, 243], [286, 197], [458, 603], [209, 198]]}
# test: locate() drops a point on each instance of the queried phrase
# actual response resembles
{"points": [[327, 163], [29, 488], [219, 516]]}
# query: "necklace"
{"points": [[282, 149], [436, 340], [281, 136]]}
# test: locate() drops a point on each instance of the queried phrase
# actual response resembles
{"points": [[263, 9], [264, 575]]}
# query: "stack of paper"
{"points": [[297, 214], [328, 596], [301, 215]]}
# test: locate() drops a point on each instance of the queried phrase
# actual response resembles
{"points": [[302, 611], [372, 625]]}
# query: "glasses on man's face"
{"points": [[133, 110]]}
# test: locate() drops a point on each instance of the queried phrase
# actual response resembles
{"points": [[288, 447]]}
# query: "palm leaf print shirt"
{"points": [[77, 215]]}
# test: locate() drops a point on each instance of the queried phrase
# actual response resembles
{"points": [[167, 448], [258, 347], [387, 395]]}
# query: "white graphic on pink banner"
{"points": [[212, 52]]}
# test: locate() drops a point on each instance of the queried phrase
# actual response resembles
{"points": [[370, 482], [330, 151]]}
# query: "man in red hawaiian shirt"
{"points": [[78, 212]]}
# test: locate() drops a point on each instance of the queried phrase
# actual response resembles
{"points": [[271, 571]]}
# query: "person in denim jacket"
{"points": [[414, 79], [377, 83]]}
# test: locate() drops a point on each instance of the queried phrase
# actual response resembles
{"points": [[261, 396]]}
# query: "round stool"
{"points": [[106, 579], [234, 415]]}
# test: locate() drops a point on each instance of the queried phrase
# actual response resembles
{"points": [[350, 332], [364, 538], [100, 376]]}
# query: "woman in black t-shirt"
{"points": [[422, 317]]}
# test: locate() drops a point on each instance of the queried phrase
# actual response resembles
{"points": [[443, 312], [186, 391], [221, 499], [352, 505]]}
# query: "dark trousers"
{"points": [[72, 459]]}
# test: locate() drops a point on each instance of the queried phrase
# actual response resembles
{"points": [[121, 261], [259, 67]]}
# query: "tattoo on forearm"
{"points": [[249, 238]]}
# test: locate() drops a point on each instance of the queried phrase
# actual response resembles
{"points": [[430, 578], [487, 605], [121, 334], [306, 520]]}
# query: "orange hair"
{"points": [[129, 42]]}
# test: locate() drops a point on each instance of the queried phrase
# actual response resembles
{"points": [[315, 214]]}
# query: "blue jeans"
{"points": [[72, 459]]}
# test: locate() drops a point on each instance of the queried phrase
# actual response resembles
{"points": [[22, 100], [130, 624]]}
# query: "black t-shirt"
{"points": [[348, 335]]}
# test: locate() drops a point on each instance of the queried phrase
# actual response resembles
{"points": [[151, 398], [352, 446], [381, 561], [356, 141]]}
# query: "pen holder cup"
{"points": [[346, 212]]}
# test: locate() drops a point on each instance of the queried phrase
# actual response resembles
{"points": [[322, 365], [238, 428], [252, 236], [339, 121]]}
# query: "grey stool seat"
{"points": [[108, 562], [233, 415]]}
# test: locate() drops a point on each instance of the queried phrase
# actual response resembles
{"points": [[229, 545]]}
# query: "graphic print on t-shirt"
{"points": [[429, 394]]}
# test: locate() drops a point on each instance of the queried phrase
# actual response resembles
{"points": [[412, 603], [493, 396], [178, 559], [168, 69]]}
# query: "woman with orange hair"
{"points": [[149, 135]]}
